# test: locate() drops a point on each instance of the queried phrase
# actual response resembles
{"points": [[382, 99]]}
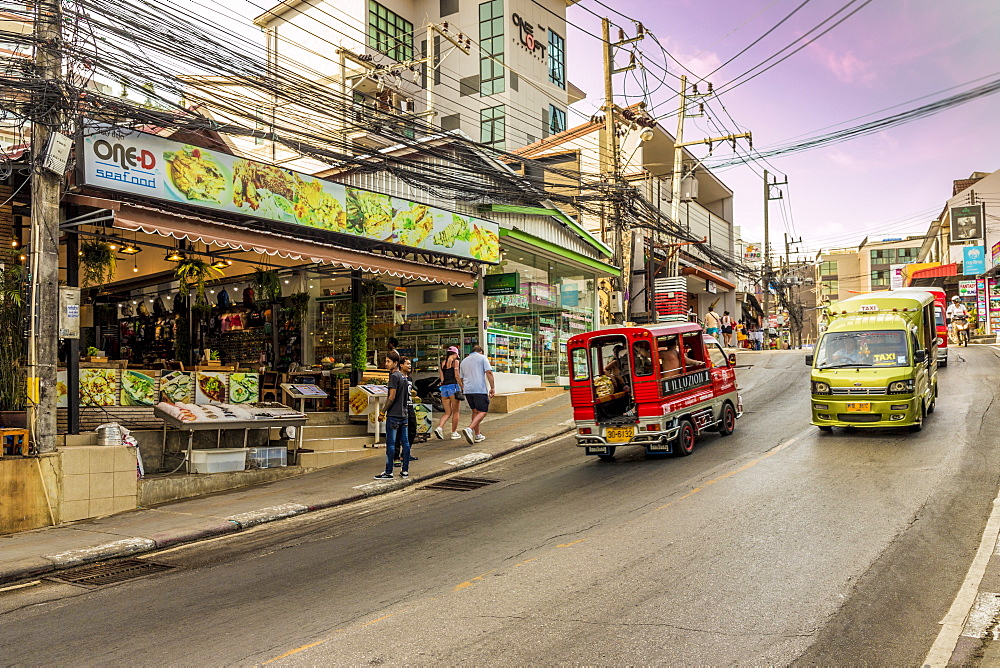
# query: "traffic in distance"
{"points": [[663, 386]]}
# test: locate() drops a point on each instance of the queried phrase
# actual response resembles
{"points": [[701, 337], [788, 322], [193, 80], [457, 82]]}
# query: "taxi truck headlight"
{"points": [[940, 341], [901, 386], [819, 387], [821, 407], [898, 407]]}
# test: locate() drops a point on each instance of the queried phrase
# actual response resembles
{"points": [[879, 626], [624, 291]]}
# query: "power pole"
{"points": [[44, 266], [679, 145], [767, 243], [795, 309], [610, 163]]}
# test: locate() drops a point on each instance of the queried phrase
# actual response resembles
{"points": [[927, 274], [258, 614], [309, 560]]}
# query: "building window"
{"points": [[880, 279], [883, 256], [557, 59], [389, 33], [492, 126], [830, 289], [491, 74], [557, 120], [906, 255], [828, 269]]}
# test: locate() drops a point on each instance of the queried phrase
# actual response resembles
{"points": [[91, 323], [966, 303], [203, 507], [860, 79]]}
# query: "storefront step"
{"points": [[318, 460], [326, 430], [327, 418], [338, 443], [506, 403], [161, 489]]}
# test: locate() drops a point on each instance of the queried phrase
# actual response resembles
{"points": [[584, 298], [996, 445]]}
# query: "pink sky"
{"points": [[890, 52]]}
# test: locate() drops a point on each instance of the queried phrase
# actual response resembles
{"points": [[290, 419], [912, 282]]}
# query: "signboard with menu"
{"points": [[966, 288], [147, 165]]}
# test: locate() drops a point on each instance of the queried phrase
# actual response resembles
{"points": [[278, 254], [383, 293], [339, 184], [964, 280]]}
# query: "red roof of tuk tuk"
{"points": [[663, 329]]}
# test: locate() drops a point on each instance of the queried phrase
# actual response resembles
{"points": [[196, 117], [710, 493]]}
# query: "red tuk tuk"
{"points": [[658, 386]]}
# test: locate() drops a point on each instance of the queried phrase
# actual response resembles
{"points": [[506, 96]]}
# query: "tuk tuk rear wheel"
{"points": [[685, 439], [727, 424], [610, 457]]}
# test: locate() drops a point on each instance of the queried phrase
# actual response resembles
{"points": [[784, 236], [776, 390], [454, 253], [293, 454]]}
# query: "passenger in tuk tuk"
{"points": [[670, 359], [617, 368]]}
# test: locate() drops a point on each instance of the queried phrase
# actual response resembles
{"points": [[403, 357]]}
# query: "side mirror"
{"points": [[809, 360], [732, 359], [920, 356]]}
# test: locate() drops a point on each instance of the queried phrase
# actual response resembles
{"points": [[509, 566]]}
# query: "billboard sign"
{"points": [[752, 253], [966, 288], [996, 253], [150, 166], [966, 223], [896, 276], [973, 260]]}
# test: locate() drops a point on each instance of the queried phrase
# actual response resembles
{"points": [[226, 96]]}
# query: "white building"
{"points": [[496, 70]]}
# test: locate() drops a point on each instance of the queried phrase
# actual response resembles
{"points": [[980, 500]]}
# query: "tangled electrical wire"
{"points": [[202, 77]]}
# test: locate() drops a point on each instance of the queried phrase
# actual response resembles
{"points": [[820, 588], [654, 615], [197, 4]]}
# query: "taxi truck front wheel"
{"points": [[727, 423]]}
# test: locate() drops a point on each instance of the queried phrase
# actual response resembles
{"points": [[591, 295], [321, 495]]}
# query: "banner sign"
{"points": [[143, 164], [966, 223], [896, 276], [973, 260], [686, 382], [996, 253], [752, 253], [966, 288]]}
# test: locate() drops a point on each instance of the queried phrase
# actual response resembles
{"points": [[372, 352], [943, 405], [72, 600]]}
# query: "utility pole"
{"points": [[679, 145], [44, 265], [610, 163], [767, 243], [795, 309]]}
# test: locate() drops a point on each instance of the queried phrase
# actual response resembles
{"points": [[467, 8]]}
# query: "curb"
{"points": [[139, 545]]}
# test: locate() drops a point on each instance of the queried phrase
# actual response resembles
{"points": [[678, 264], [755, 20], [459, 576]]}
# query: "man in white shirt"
{"points": [[956, 309], [478, 386]]}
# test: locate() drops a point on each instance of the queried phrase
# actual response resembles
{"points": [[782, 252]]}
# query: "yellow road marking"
{"points": [[468, 583], [573, 543], [295, 651], [526, 561]]}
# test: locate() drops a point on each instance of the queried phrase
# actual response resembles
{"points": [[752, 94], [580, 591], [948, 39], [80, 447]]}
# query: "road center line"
{"points": [[953, 622]]}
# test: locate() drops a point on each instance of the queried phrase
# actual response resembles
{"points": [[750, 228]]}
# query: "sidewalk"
{"points": [[32, 553]]}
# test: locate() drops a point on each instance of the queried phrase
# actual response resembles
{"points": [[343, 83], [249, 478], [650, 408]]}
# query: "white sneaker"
{"points": [[470, 435], [439, 433], [480, 438], [455, 436]]}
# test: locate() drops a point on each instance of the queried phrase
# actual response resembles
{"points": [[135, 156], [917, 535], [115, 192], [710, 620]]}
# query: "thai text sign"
{"points": [[147, 165], [973, 260], [685, 382], [502, 284]]}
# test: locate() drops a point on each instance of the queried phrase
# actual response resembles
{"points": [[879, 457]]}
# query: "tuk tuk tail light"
{"points": [[653, 426], [586, 430]]}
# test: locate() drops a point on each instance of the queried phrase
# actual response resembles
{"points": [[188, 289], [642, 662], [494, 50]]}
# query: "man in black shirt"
{"points": [[396, 416]]}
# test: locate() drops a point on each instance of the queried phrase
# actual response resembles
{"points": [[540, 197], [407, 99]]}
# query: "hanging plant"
{"points": [[268, 285], [359, 336], [201, 308], [298, 303], [98, 262], [195, 273]]}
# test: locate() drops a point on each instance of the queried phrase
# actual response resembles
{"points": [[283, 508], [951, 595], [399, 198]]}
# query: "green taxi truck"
{"points": [[876, 363]]}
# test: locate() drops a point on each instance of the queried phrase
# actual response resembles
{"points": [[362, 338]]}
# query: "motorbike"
{"points": [[429, 391], [962, 330]]}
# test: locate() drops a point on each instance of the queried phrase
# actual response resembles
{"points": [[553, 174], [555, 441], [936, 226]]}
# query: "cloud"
{"points": [[847, 67], [845, 160]]}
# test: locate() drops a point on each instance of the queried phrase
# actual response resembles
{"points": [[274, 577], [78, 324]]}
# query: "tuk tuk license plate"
{"points": [[864, 407], [619, 434]]}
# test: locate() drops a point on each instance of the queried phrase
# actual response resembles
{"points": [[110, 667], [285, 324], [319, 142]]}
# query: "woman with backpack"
{"points": [[451, 385]]}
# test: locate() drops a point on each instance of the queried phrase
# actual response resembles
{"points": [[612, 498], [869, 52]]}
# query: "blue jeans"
{"points": [[396, 428]]}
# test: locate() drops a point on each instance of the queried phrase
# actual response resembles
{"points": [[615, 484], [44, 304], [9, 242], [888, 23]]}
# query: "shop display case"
{"points": [[509, 352], [333, 323]]}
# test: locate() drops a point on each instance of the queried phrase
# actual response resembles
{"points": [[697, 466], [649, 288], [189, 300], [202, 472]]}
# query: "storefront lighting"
{"points": [[13, 243], [175, 255], [129, 248], [222, 263]]}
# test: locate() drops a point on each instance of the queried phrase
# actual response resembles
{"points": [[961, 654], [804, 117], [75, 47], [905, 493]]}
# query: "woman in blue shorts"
{"points": [[451, 385]]}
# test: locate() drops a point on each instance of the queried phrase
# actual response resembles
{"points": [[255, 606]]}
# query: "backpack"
{"points": [[224, 301]]}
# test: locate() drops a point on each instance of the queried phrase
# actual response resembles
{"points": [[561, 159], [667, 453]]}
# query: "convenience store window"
{"points": [[530, 329]]}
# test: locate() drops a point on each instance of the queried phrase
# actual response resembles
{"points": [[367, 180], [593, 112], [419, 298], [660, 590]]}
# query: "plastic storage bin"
{"points": [[269, 457], [218, 460]]}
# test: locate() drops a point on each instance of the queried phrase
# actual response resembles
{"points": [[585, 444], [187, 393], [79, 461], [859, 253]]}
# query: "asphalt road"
{"points": [[777, 545]]}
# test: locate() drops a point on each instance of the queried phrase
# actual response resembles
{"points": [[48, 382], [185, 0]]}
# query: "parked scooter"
{"points": [[429, 391], [962, 329]]}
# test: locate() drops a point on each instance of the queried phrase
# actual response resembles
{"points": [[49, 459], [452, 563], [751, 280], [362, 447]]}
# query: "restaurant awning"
{"points": [[152, 220], [707, 275]]}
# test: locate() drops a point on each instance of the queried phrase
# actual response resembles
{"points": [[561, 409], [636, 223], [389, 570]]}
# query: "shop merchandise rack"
{"points": [[333, 323], [509, 352]]}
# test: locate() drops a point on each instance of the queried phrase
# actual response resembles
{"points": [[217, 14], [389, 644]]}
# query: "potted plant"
{"points": [[13, 344], [268, 285], [194, 272], [98, 262], [298, 303]]}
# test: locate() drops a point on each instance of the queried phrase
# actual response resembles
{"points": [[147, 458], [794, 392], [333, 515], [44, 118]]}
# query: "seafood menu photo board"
{"points": [[144, 164], [210, 387], [138, 389], [98, 387]]}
